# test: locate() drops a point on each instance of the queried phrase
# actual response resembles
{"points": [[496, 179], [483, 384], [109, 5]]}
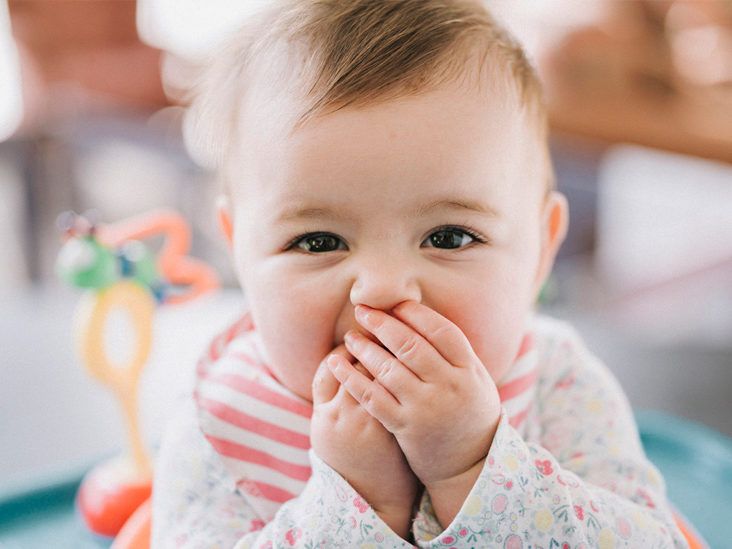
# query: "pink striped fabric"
{"points": [[261, 429]]}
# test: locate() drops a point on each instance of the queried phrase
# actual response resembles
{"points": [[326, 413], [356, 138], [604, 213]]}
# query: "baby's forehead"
{"points": [[447, 137], [281, 95], [350, 54]]}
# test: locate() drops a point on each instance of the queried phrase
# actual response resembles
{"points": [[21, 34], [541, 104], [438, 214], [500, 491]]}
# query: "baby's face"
{"points": [[438, 198]]}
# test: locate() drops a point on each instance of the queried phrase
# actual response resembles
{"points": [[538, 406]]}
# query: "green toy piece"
{"points": [[85, 262]]}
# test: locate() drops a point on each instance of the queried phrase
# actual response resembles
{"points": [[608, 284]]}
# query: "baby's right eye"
{"points": [[317, 243]]}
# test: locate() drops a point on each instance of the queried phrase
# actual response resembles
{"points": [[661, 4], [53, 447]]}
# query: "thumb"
{"points": [[325, 385]]}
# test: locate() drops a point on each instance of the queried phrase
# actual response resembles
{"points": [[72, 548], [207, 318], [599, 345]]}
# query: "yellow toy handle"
{"points": [[92, 316]]}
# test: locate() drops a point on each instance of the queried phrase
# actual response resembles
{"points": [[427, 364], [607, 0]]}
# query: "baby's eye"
{"points": [[318, 243], [449, 238]]}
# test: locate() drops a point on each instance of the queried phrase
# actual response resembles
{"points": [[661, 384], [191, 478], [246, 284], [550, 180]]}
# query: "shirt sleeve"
{"points": [[328, 513], [196, 504], [587, 484]]}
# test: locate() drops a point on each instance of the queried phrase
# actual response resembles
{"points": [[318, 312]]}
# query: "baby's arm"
{"points": [[196, 504], [588, 482]]}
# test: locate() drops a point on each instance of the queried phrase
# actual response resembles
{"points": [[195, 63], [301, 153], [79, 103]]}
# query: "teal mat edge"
{"points": [[672, 427], [47, 480], [49, 492]]}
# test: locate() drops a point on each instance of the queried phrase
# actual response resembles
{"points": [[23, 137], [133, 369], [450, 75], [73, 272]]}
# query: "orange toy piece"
{"points": [[111, 493], [692, 538], [172, 260], [135, 534]]}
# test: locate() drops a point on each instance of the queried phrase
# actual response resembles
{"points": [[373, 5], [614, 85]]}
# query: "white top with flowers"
{"points": [[574, 476]]}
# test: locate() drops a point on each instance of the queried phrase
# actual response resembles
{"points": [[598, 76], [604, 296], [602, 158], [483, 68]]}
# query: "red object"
{"points": [[135, 534], [108, 496]]}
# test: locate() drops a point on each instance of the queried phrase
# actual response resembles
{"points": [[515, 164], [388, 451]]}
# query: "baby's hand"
{"points": [[431, 391], [363, 452]]}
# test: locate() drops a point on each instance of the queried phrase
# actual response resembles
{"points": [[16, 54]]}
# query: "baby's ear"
{"points": [[555, 220], [224, 216]]}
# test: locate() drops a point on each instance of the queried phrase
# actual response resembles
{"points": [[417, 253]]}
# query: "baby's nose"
{"points": [[384, 282]]}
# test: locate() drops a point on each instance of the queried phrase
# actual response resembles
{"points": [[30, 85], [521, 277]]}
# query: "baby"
{"points": [[390, 208]]}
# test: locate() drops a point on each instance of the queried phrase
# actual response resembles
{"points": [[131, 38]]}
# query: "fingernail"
{"points": [[351, 338], [332, 361], [363, 314]]}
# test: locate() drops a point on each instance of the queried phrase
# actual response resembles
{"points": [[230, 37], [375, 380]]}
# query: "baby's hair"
{"points": [[352, 53]]}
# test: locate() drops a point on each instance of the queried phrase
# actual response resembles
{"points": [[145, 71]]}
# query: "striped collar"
{"points": [[261, 429]]}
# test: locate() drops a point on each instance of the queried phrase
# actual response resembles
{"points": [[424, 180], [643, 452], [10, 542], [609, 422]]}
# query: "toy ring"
{"points": [[92, 318]]}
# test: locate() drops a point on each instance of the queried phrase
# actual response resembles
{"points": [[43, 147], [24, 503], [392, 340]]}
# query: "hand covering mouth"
{"points": [[369, 336]]}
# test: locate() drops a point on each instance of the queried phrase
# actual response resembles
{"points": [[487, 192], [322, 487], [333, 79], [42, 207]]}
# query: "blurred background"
{"points": [[91, 104]]}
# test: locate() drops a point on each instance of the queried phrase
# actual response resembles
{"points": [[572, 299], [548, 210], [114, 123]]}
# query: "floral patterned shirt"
{"points": [[574, 476]]}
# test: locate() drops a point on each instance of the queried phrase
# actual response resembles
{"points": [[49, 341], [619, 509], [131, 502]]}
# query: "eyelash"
{"points": [[471, 232]]}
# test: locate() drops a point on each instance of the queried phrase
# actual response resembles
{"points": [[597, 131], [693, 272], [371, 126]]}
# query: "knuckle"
{"points": [[442, 331], [408, 347], [367, 398], [386, 367]]}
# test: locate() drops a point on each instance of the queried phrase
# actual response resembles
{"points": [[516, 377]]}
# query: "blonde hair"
{"points": [[351, 53]]}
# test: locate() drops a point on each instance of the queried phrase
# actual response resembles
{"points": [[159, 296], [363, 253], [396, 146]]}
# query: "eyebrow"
{"points": [[450, 204], [309, 213], [456, 204]]}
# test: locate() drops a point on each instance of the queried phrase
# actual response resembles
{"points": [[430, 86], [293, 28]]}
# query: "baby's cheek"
{"points": [[289, 361], [295, 383], [494, 337], [291, 347]]}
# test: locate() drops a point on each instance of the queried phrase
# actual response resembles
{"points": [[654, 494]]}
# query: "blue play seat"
{"points": [[697, 464]]}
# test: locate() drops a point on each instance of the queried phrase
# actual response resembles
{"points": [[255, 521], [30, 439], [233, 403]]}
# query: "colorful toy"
{"points": [[119, 272]]}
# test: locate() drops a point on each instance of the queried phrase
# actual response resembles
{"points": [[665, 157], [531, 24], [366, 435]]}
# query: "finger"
{"points": [[342, 351], [408, 346], [376, 400], [394, 376], [361, 368], [444, 336], [343, 396], [325, 385]]}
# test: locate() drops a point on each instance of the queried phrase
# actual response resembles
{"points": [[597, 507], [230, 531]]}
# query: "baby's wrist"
{"points": [[448, 495], [446, 485], [398, 519]]}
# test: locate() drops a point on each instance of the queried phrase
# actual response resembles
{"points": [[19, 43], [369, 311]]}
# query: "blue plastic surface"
{"points": [[696, 463], [45, 516]]}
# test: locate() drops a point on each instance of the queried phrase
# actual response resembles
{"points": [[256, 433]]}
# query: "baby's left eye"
{"points": [[449, 238]]}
